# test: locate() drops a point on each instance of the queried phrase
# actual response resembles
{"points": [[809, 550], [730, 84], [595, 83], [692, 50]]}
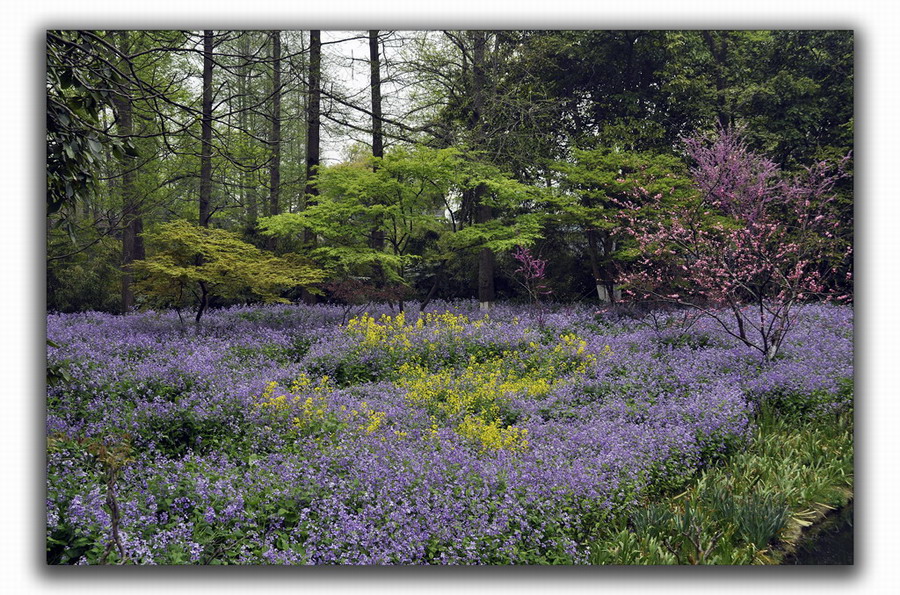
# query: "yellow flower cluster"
{"points": [[569, 354], [394, 330], [305, 405], [473, 401], [571, 341], [268, 400], [478, 388], [492, 435], [371, 419], [473, 398], [387, 329]]}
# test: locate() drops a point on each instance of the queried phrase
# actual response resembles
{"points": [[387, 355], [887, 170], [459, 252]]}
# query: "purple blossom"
{"points": [[213, 478]]}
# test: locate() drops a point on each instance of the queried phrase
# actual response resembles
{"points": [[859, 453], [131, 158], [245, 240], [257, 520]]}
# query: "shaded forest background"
{"points": [[459, 147]]}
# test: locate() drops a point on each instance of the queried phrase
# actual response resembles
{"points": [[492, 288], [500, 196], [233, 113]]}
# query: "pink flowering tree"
{"points": [[531, 273], [749, 251]]}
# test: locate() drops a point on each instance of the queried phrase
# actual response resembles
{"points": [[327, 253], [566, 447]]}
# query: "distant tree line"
{"points": [[463, 147]]}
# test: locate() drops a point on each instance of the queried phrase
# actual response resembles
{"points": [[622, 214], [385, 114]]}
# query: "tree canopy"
{"points": [[190, 263], [418, 161]]}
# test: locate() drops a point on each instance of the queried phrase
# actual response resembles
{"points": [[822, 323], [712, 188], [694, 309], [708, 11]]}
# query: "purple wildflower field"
{"points": [[294, 434]]}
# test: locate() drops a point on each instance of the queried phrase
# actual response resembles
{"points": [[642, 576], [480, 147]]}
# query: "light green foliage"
{"points": [[518, 211], [190, 260], [596, 181], [401, 198], [410, 195], [498, 235]]}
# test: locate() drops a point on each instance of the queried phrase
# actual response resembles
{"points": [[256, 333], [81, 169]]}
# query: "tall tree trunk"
{"points": [[206, 131], [601, 265], [613, 294], [248, 198], [483, 213], [299, 145], [313, 113], [204, 302], [594, 257], [205, 157], [375, 76], [275, 140], [132, 243], [479, 82], [486, 261], [312, 135], [377, 234]]}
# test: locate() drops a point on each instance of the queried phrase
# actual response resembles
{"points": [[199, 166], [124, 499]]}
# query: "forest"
{"points": [[450, 297], [416, 176]]}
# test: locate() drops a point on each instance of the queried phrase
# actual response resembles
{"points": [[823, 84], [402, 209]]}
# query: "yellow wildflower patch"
{"points": [[473, 399], [304, 407], [492, 435], [394, 330]]}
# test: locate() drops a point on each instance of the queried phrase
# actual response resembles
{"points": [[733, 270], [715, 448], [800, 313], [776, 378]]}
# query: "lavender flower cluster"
{"points": [[284, 435]]}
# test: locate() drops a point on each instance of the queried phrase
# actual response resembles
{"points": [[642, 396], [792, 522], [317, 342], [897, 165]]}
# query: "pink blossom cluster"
{"points": [[532, 269], [755, 242]]}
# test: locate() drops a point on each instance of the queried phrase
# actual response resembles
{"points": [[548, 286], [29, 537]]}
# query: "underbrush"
{"points": [[752, 507]]}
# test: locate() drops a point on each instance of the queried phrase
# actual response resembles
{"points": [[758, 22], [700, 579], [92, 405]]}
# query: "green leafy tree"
{"points": [[594, 183], [414, 198], [791, 91], [191, 263], [604, 86], [81, 83], [353, 199]]}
